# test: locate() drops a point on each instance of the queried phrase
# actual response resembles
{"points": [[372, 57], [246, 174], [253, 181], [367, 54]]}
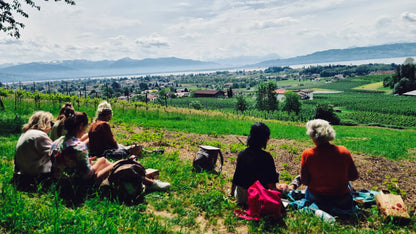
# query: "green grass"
{"points": [[194, 197], [389, 143]]}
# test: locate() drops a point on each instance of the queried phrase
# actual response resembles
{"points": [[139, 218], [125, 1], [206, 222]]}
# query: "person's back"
{"points": [[328, 167], [101, 138], [32, 151], [58, 129], [254, 164], [70, 159], [327, 170]]}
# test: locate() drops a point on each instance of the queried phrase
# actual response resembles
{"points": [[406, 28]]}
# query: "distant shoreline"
{"points": [[397, 60]]}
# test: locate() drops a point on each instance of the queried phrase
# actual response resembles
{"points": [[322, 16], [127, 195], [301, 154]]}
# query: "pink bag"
{"points": [[261, 202]]}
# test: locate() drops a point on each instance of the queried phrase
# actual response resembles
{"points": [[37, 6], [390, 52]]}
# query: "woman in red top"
{"points": [[327, 169]]}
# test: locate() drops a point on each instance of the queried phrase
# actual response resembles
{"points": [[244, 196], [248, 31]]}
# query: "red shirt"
{"points": [[327, 169]]}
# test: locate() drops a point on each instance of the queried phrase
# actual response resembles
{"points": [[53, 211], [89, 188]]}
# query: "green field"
{"points": [[194, 198], [362, 102]]}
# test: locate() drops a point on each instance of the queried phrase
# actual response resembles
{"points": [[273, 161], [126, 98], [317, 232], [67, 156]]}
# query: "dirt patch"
{"points": [[376, 173]]}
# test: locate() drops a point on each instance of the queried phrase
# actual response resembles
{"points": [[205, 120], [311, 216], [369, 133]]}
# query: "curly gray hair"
{"points": [[320, 131]]}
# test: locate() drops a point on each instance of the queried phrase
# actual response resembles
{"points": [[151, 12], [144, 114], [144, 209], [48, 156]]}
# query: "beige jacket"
{"points": [[32, 153]]}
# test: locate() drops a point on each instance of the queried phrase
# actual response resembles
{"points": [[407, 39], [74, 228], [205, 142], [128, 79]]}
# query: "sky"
{"points": [[205, 30]]}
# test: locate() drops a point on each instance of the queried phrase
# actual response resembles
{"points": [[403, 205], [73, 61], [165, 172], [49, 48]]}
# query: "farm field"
{"points": [[198, 202], [362, 100]]}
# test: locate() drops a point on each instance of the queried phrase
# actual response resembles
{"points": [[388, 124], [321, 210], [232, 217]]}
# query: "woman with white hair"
{"points": [[101, 139], [327, 169], [31, 159]]}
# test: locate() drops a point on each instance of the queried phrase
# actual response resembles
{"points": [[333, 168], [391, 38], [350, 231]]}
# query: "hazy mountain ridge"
{"points": [[126, 66], [84, 68], [350, 54]]}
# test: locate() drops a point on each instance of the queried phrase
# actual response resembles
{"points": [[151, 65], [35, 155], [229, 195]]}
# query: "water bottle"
{"points": [[324, 216]]}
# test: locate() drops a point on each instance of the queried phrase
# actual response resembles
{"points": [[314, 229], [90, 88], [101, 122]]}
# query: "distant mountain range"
{"points": [[69, 69], [351, 54]]}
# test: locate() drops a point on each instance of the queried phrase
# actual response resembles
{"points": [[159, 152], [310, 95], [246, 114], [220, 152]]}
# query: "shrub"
{"points": [[348, 122], [326, 112]]}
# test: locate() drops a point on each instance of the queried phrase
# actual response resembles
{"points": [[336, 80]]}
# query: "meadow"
{"points": [[197, 202]]}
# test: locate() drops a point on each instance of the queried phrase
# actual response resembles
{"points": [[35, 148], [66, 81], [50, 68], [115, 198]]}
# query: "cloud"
{"points": [[409, 16], [6, 41], [153, 40], [273, 23]]}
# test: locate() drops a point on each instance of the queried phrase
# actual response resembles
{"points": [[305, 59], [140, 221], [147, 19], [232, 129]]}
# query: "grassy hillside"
{"points": [[197, 202]]}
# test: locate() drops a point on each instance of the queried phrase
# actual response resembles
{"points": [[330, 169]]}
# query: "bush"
{"points": [[8, 125], [326, 112], [195, 105], [348, 122]]}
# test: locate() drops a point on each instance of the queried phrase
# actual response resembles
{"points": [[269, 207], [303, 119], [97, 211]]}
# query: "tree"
{"points": [[292, 102], [266, 98], [409, 60], [3, 93], [241, 104], [326, 112], [403, 86], [116, 86], [230, 92], [404, 79], [12, 9], [143, 86]]}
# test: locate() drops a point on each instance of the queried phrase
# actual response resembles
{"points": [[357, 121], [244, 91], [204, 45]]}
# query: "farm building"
{"points": [[209, 93], [152, 97], [182, 94], [280, 94], [305, 94]]}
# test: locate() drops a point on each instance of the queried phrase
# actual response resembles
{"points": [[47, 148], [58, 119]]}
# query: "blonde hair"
{"points": [[103, 109], [40, 120], [320, 131]]}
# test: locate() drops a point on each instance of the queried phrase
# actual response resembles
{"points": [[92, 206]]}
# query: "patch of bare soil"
{"points": [[376, 173]]}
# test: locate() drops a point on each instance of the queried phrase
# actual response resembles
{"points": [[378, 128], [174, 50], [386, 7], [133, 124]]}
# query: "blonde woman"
{"points": [[327, 169], [31, 157]]}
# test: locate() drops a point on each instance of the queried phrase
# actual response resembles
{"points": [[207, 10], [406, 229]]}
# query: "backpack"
{"points": [[206, 159], [261, 203], [125, 181]]}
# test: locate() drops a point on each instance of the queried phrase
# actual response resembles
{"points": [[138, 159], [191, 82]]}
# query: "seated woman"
{"points": [[327, 169], [70, 159], [58, 129], [101, 138], [253, 163], [31, 159]]}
